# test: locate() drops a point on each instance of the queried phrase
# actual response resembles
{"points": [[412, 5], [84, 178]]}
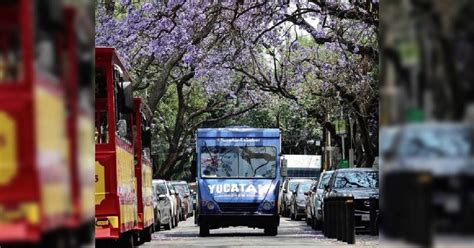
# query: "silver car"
{"points": [[287, 192], [317, 215], [165, 208]]}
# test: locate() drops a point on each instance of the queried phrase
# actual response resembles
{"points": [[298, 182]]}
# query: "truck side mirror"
{"points": [[284, 168]]}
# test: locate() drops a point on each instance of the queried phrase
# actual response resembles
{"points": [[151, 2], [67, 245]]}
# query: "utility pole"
{"points": [[342, 138]]}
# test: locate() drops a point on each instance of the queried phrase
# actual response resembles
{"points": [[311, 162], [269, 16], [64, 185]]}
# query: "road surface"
{"points": [[290, 234]]}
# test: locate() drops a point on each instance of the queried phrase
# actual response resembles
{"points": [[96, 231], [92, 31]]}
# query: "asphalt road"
{"points": [[290, 234]]}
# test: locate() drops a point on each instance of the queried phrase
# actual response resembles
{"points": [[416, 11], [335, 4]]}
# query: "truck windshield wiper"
{"points": [[210, 154], [260, 166]]}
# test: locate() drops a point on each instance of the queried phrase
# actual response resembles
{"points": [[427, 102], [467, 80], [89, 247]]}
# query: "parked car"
{"points": [[309, 202], [316, 200], [177, 201], [442, 154], [289, 185], [298, 200], [163, 205], [192, 188], [184, 193], [363, 184]]}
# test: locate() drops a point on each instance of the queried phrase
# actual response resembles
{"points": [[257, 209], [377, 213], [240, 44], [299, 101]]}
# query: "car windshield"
{"points": [[292, 185], [160, 188], [238, 162], [304, 187], [324, 180], [454, 142], [181, 189], [357, 179]]}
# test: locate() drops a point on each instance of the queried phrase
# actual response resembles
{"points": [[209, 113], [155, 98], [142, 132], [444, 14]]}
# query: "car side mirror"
{"points": [[172, 192], [285, 191], [284, 168], [161, 197], [306, 193], [326, 187]]}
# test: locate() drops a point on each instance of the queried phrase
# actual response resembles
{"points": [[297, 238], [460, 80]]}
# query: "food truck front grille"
{"points": [[239, 207]]}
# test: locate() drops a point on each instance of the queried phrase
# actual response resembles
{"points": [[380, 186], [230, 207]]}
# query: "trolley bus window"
{"points": [[48, 26], [101, 119], [11, 70], [123, 105]]}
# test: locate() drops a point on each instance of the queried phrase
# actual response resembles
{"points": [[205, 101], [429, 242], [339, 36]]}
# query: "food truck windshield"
{"points": [[238, 162]]}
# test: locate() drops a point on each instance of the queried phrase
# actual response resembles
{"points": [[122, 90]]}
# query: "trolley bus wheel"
{"points": [[203, 230], [145, 235], [126, 241]]}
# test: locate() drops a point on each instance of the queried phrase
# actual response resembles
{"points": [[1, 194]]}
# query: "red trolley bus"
{"points": [[143, 169], [115, 180], [80, 121], [35, 203]]}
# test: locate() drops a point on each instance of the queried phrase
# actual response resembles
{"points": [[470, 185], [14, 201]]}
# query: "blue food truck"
{"points": [[238, 177]]}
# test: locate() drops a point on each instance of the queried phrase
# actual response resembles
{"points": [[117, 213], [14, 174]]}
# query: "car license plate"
{"points": [[365, 217]]}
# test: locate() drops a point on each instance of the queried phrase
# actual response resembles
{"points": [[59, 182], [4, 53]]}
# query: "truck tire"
{"points": [[271, 230], [203, 230]]}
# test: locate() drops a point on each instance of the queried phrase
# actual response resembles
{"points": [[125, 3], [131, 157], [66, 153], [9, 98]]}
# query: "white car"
{"points": [[317, 217], [171, 198]]}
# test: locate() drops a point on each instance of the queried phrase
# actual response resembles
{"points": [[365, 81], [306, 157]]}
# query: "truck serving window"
{"points": [[238, 162]]}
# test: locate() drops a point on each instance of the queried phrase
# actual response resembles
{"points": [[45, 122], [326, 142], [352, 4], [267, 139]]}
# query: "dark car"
{"points": [[286, 194], [184, 194], [363, 184], [435, 157], [298, 200]]}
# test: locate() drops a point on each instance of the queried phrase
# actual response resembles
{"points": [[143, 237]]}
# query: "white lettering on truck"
{"points": [[238, 188]]}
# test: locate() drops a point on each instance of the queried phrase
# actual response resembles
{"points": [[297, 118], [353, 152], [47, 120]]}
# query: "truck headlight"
{"points": [[210, 206], [267, 206]]}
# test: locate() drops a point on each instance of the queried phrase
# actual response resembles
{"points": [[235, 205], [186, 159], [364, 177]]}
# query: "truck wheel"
{"points": [[271, 230], [203, 230]]}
